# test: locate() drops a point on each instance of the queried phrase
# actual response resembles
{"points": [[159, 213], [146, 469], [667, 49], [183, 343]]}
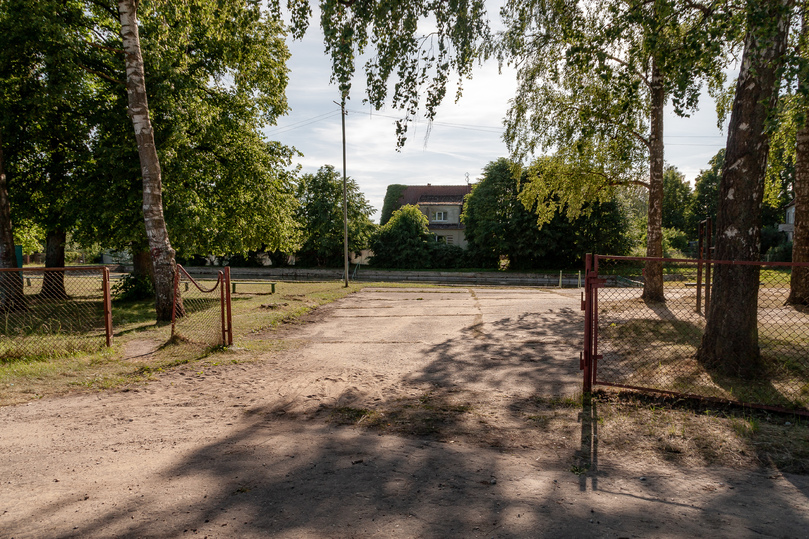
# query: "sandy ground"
{"points": [[252, 449]]}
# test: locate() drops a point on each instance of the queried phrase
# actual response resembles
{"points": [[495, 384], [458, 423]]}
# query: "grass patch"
{"points": [[56, 371], [695, 433]]}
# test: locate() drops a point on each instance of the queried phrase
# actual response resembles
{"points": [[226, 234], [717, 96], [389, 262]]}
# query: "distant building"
{"points": [[443, 205], [789, 225]]}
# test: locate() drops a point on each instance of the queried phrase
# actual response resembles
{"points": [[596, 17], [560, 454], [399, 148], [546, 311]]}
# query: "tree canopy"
{"points": [[216, 76], [419, 44], [593, 82], [320, 215], [499, 224]]}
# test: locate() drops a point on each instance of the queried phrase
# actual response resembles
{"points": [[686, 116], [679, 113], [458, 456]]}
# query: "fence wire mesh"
{"points": [[653, 345], [48, 312], [200, 316]]}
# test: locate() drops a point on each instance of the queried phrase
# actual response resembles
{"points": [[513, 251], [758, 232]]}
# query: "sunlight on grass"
{"points": [[52, 371]]}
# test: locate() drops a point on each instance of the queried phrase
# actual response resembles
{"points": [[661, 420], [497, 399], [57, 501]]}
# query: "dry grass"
{"points": [[615, 426], [35, 377]]}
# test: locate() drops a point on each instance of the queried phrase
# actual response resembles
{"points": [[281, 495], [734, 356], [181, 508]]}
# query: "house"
{"points": [[789, 225], [443, 205]]}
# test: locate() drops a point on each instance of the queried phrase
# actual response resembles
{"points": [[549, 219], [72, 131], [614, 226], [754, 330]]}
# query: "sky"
{"points": [[464, 137]]}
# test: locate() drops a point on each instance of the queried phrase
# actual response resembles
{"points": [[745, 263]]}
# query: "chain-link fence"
{"points": [[47, 312], [652, 345], [202, 309]]}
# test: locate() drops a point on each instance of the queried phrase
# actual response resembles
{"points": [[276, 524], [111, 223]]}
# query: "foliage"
{"points": [[320, 215], [422, 64], [216, 77], [676, 200], [45, 101], [133, 288], [706, 192], [771, 238], [499, 225], [404, 241], [392, 196], [29, 236], [675, 242], [780, 253]]}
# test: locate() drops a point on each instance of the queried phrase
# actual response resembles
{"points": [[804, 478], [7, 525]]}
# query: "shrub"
{"points": [[133, 288]]}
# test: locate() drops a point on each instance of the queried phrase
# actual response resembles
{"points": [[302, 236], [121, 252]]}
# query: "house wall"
{"points": [[457, 236], [453, 217], [453, 213]]}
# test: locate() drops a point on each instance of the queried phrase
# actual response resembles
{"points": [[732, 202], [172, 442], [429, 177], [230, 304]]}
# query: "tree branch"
{"points": [[105, 48], [641, 76], [612, 182], [102, 75]]}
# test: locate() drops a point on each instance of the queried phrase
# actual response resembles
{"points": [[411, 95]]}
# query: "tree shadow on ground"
{"points": [[280, 476], [533, 353]]}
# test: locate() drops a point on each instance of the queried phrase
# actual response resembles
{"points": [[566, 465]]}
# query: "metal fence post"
{"points": [[105, 275], [222, 307], [177, 270], [699, 266], [587, 385], [228, 312]]}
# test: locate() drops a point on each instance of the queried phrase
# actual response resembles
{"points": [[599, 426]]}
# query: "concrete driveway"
{"points": [[517, 341]]}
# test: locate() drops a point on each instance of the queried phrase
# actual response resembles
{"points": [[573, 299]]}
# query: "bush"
{"points": [[133, 288], [675, 243], [404, 241], [780, 253]]}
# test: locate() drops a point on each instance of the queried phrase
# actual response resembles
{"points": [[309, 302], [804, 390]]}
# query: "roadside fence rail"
{"points": [[651, 346], [47, 312], [202, 309]]}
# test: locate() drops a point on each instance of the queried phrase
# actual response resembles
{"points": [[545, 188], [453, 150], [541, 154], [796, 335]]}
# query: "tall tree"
{"points": [[593, 81], [216, 76], [138, 110], [799, 281], [498, 224], [321, 217], [12, 297], [706, 193], [676, 200], [730, 341], [50, 155]]}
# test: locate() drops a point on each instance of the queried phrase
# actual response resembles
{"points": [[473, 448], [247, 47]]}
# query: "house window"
{"points": [[449, 240], [440, 216]]}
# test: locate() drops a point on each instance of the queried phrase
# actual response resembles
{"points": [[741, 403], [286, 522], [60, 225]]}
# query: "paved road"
{"points": [[520, 341], [251, 449]]}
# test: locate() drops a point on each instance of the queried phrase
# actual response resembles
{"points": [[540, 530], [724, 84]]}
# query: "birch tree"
{"points": [[416, 45], [730, 341], [594, 78], [138, 110], [799, 280]]}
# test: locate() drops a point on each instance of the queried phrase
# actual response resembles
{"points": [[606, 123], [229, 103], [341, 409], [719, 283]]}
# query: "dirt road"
{"points": [[391, 413]]}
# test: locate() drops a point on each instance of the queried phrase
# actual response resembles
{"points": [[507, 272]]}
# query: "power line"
{"points": [[303, 123]]}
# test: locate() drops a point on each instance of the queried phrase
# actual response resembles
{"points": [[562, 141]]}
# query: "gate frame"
{"points": [[225, 311], [588, 359]]}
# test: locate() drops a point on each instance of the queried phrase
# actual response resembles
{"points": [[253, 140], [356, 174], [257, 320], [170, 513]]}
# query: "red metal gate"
{"points": [[202, 314], [641, 345]]}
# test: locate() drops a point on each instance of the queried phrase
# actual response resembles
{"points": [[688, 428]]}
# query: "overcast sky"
{"points": [[463, 139]]}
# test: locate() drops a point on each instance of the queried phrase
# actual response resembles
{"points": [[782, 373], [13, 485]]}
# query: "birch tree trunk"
{"points": [[653, 272], [799, 282], [159, 245], [12, 297], [730, 343]]}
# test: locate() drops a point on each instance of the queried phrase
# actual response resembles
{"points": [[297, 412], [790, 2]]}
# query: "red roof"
{"points": [[434, 194]]}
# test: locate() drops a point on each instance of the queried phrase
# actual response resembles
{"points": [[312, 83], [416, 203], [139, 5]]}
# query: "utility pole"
{"points": [[345, 196]]}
